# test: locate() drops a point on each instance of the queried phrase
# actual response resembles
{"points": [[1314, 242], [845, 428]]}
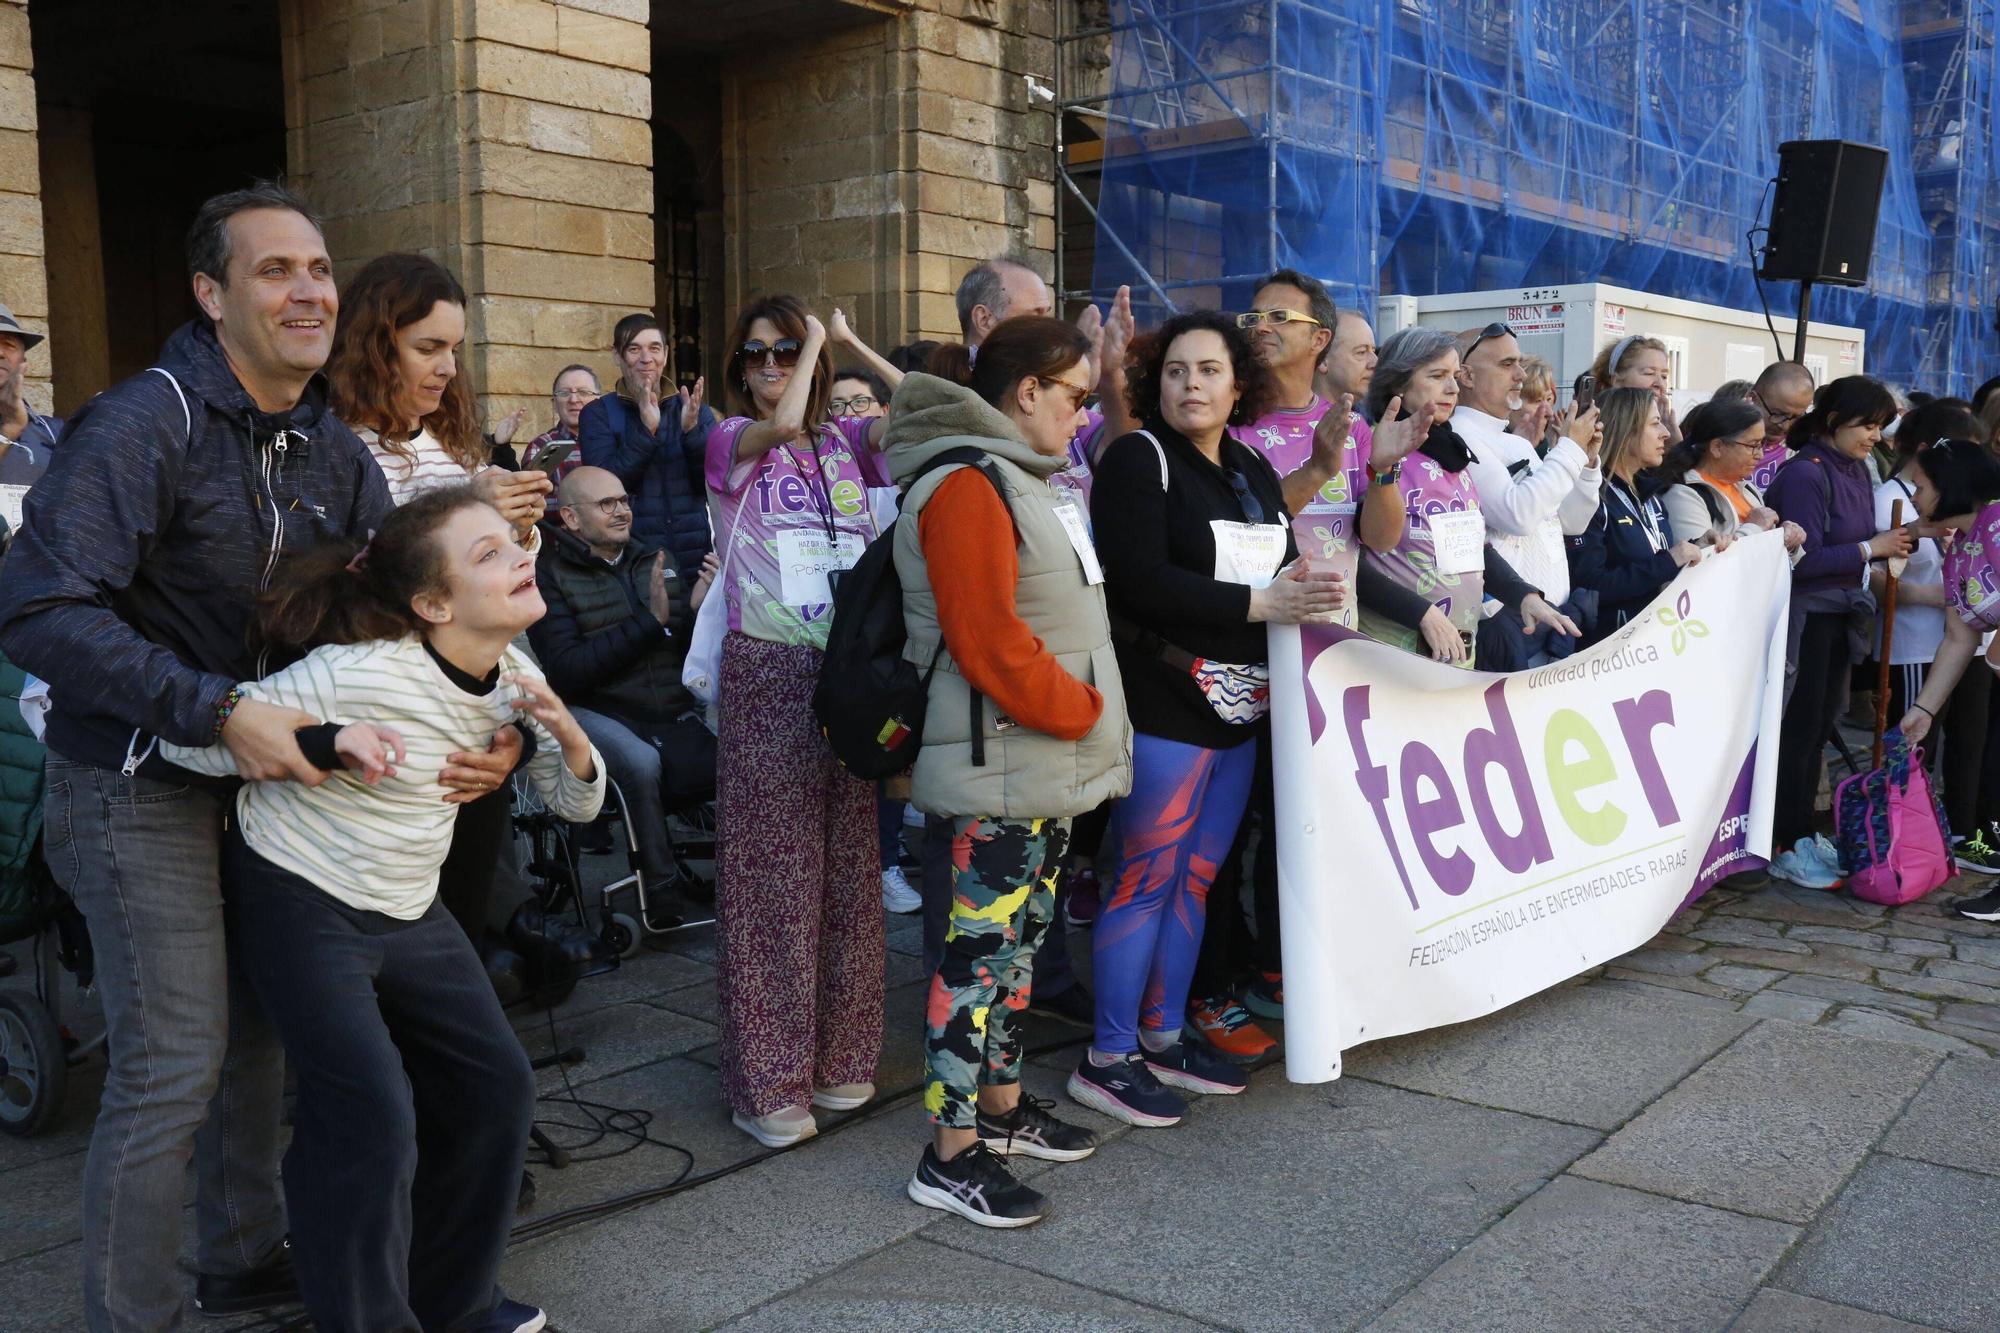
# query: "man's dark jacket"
{"points": [[142, 550], [600, 643]]}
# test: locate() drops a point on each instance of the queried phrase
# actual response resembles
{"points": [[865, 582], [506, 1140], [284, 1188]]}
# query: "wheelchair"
{"points": [[36, 1046], [555, 860]]}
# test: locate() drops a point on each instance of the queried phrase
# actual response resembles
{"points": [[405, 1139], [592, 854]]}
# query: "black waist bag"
{"points": [[869, 700]]}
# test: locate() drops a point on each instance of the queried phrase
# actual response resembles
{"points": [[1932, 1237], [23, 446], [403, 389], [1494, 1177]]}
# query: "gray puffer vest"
{"points": [[1026, 774]]}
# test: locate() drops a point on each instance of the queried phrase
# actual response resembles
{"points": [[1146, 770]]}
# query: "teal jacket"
{"points": [[22, 878]]}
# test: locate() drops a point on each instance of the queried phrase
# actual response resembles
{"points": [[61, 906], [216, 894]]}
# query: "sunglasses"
{"points": [[1253, 508], [1250, 319], [785, 351], [1494, 330], [1077, 392]]}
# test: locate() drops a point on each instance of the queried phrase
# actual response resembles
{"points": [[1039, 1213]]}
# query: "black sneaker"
{"points": [[1980, 850], [1126, 1090], [1030, 1131], [1188, 1065], [265, 1287], [1073, 1005], [978, 1187], [1985, 907]]}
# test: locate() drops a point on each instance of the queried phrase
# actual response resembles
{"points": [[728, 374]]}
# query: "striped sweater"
{"points": [[379, 848], [425, 468]]}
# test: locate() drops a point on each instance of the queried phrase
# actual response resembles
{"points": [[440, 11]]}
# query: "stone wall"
{"points": [[865, 166], [24, 286], [916, 155], [507, 139]]}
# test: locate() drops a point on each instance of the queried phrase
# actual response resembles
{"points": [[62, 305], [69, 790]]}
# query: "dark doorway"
{"points": [[145, 111]]}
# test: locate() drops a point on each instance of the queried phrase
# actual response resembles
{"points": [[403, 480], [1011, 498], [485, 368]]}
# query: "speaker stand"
{"points": [[1805, 318]]}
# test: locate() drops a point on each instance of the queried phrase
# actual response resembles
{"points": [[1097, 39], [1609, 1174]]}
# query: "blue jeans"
{"points": [[415, 1101], [678, 764], [195, 1069]]}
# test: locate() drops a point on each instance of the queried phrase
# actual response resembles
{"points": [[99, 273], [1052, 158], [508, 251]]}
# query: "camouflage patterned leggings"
{"points": [[1003, 885]]}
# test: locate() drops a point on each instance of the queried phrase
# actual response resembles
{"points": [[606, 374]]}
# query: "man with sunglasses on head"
{"points": [[655, 440], [612, 644], [1529, 502], [1785, 391]]}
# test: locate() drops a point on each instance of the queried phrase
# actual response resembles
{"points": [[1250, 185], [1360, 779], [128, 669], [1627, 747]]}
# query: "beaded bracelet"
{"points": [[226, 707]]}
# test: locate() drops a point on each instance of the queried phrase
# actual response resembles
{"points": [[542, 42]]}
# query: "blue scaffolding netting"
{"points": [[1426, 146]]}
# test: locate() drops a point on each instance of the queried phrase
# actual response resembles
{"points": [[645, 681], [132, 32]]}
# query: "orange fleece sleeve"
{"points": [[968, 545]]}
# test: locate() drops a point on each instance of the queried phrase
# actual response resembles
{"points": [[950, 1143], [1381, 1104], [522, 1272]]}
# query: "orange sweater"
{"points": [[968, 545]]}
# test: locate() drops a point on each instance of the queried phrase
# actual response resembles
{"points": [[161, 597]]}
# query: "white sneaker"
{"points": [[897, 895], [780, 1129], [845, 1097]]}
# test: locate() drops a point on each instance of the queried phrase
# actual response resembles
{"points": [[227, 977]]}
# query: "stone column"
{"points": [[507, 139], [870, 167], [24, 286]]}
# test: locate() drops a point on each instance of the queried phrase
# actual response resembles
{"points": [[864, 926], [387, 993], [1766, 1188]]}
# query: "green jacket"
{"points": [[22, 880]]}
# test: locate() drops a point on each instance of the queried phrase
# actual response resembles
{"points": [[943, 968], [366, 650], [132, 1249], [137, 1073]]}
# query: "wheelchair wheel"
{"points": [[33, 1068], [621, 934]]}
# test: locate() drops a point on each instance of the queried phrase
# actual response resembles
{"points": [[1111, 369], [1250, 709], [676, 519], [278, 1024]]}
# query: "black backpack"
{"points": [[870, 702]]}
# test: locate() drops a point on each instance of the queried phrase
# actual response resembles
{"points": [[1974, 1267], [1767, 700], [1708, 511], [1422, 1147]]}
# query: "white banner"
{"points": [[1450, 842]]}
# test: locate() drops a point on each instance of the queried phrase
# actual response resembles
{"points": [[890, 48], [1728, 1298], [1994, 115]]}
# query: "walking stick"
{"points": [[1888, 637]]}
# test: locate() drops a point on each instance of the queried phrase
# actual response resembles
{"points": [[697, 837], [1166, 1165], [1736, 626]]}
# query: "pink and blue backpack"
{"points": [[1894, 841]]}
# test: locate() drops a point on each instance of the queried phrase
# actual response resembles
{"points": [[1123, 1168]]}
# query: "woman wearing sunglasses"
{"points": [[1001, 583], [798, 871], [1198, 554]]}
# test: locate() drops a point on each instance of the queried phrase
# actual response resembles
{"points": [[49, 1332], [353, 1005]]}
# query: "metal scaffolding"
{"points": [[1421, 146]]}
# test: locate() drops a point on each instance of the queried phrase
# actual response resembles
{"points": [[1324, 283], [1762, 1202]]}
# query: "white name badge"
{"points": [[1079, 537], [1248, 553], [806, 557], [1459, 541], [10, 505]]}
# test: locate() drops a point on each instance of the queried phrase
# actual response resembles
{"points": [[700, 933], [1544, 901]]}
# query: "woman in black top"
{"points": [[1196, 547], [1630, 550]]}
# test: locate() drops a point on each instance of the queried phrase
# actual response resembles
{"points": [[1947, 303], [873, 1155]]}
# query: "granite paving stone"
{"points": [[1668, 961], [1774, 1311], [1785, 1005], [1825, 965], [1652, 1263], [1854, 992], [1908, 1239], [1955, 970], [1772, 1126], [615, 1038], [1919, 948], [1568, 1054], [1417, 1178], [1734, 976], [1952, 1121], [1857, 939], [900, 1291], [1876, 1023], [1972, 1015]]}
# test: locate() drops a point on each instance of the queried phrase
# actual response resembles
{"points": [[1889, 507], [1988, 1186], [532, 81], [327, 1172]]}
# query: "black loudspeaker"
{"points": [[1823, 218]]}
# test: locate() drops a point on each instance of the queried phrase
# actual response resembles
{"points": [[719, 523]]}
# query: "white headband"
{"points": [[1618, 351]]}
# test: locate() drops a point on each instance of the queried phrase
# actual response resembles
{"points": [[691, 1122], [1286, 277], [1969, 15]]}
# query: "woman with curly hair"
{"points": [[1197, 553], [395, 380]]}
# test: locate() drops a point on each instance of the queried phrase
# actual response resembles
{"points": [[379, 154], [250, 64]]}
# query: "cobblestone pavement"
{"points": [[1914, 973], [1777, 1115]]}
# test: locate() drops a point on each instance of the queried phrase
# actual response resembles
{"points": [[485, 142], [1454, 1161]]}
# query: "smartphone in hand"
{"points": [[552, 456]]}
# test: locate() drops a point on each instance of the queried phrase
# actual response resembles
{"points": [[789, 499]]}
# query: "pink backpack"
{"points": [[1894, 841]]}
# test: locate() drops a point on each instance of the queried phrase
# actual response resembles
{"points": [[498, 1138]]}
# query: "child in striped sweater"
{"points": [[414, 1096]]}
